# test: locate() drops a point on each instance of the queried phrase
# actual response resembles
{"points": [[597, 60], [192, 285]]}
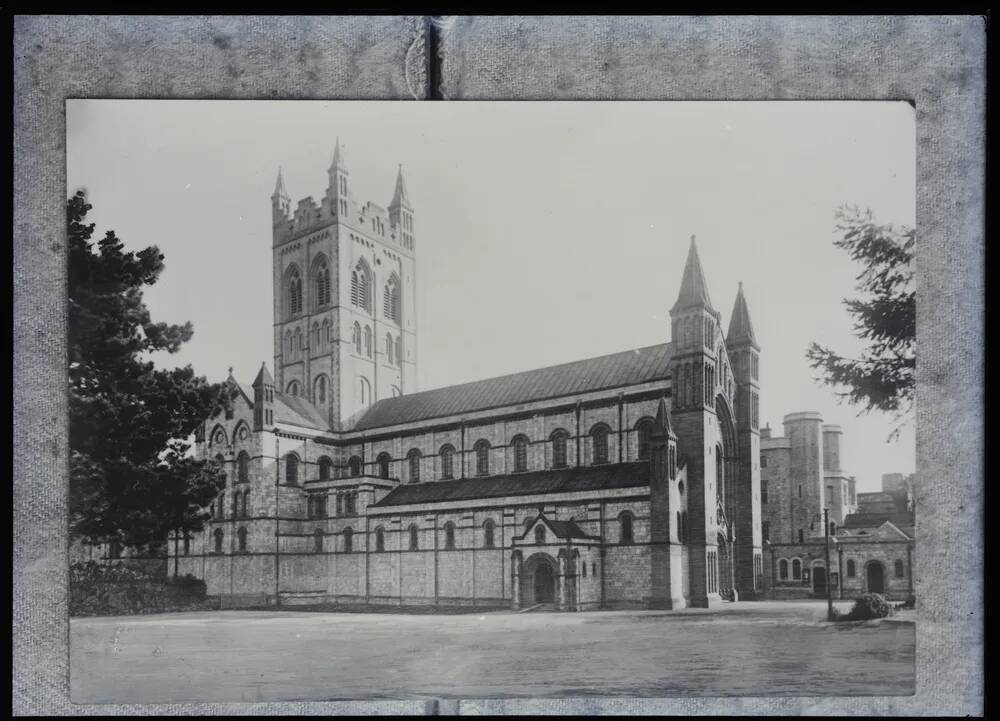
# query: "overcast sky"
{"points": [[545, 232]]}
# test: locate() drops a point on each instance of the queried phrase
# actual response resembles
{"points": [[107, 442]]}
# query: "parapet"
{"points": [[803, 416]]}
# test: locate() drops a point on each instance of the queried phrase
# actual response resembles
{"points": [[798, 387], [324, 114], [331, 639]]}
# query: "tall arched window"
{"points": [[783, 569], [390, 299], [245, 506], [382, 462], [851, 569], [642, 431], [314, 336], [447, 454], [796, 569], [488, 533], [361, 286], [414, 537], [625, 527], [399, 350], [237, 497], [292, 388], [321, 282], [355, 466], [520, 444], [218, 540], [364, 392], [293, 291], [242, 467], [356, 337], [482, 449], [291, 469], [599, 439], [559, 439], [413, 458], [899, 570], [348, 539], [318, 540], [368, 341], [379, 540], [449, 535], [241, 539], [765, 530], [389, 346], [325, 466], [319, 390], [327, 332]]}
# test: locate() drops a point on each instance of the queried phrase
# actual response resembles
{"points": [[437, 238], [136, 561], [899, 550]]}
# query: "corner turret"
{"points": [[263, 400]]}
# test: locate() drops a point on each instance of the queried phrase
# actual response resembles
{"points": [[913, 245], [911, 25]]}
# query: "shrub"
{"points": [[107, 590], [866, 608]]}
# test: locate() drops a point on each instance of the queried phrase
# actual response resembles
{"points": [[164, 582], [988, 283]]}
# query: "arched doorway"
{"points": [[539, 580], [819, 579], [876, 577]]}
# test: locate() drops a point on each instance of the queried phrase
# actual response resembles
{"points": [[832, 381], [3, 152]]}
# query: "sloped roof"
{"points": [[297, 411], [589, 478], [625, 368], [740, 325], [566, 529], [694, 289], [874, 520]]}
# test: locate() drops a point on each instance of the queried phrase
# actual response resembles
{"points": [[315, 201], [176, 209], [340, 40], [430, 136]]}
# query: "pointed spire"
{"points": [[694, 290], [399, 198], [338, 158], [661, 425], [740, 325], [263, 378], [279, 186]]}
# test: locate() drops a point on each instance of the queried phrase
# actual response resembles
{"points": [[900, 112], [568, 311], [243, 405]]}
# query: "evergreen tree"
{"points": [[882, 378], [131, 477]]}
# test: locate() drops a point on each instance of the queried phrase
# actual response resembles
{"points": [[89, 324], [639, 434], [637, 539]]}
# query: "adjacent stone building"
{"points": [[870, 535], [627, 480]]}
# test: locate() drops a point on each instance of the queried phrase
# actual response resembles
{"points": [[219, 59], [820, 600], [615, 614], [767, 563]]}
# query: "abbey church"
{"points": [[631, 480]]}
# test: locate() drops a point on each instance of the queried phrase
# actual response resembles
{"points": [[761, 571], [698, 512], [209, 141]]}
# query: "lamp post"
{"points": [[829, 576]]}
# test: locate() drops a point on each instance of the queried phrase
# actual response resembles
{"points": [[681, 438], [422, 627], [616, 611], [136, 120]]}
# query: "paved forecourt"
{"points": [[762, 648]]}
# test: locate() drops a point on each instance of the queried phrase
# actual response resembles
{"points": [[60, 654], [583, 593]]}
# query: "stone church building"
{"points": [[627, 480]]}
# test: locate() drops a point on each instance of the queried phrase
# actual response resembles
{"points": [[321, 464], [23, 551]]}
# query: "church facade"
{"points": [[627, 480]]}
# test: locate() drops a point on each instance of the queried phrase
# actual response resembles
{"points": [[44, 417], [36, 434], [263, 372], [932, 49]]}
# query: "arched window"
{"points": [[289, 345], [361, 286], [364, 391], [242, 467], [389, 345], [219, 438], [540, 534], [391, 299], [325, 465], [783, 569], [680, 487], [599, 439], [292, 388], [800, 532], [382, 462], [318, 540], [447, 454], [291, 469], [241, 539], [482, 449], [898, 567], [220, 459], [379, 540], [348, 539], [520, 444], [246, 503], [796, 569], [293, 291], [218, 540], [625, 528], [763, 492], [399, 350], [559, 439], [672, 456], [319, 390], [355, 466], [356, 338], [413, 458], [237, 497], [765, 530], [643, 429], [368, 341], [488, 533], [314, 336], [327, 332], [414, 537], [449, 535], [321, 280], [851, 569]]}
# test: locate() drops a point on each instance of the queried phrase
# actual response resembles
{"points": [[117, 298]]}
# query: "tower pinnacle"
{"points": [[694, 289], [740, 325], [279, 186], [400, 199]]}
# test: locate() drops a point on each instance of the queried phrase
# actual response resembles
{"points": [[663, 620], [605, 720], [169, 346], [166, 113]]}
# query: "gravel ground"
{"points": [[752, 649]]}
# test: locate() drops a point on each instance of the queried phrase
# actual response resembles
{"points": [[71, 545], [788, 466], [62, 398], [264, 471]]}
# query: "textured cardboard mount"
{"points": [[936, 62]]}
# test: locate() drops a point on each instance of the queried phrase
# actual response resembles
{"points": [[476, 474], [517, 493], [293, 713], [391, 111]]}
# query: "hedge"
{"points": [[97, 589]]}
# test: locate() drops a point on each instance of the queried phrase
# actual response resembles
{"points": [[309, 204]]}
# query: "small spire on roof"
{"points": [[400, 198], [279, 186]]}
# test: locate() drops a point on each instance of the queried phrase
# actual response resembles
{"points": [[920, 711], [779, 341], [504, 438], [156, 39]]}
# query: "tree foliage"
{"points": [[884, 315], [131, 477]]}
